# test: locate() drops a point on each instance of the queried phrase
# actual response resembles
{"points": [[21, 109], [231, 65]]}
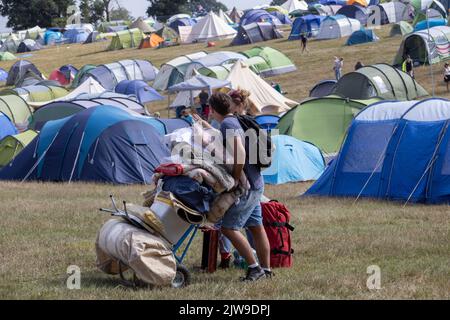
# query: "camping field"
{"points": [[47, 227]]}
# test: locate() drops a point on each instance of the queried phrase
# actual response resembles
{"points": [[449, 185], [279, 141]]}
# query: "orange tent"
{"points": [[362, 3], [151, 41]]}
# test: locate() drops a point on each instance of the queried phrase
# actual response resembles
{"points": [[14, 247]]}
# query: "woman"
{"points": [[241, 103], [447, 74]]}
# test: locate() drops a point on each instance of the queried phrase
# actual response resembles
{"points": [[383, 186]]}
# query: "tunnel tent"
{"points": [[269, 62], [333, 27], [379, 80], [430, 23], [390, 12], [307, 25], [37, 93], [12, 145], [426, 46], [323, 88], [354, 12], [256, 32], [16, 109], [126, 39]]}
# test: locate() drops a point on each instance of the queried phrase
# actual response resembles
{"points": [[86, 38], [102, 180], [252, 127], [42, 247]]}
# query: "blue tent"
{"points": [[267, 121], [396, 151], [76, 35], [182, 22], [293, 161], [7, 128], [424, 24], [284, 19], [143, 92], [3, 75], [333, 2], [354, 12], [308, 25], [102, 144], [52, 37], [256, 16], [361, 36]]}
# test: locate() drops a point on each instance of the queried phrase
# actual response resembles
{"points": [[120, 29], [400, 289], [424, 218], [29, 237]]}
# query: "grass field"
{"points": [[44, 228]]}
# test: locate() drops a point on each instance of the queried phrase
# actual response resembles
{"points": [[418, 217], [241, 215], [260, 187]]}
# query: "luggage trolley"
{"points": [[183, 276]]}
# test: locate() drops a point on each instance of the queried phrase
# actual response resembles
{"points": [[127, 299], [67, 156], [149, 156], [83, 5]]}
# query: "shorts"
{"points": [[247, 213], [446, 78]]}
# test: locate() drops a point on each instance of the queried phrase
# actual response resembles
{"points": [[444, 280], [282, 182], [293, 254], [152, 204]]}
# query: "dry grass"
{"points": [[44, 228]]}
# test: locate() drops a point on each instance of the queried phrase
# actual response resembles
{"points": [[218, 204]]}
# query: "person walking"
{"points": [[408, 66], [338, 65], [358, 65], [304, 41], [447, 75]]}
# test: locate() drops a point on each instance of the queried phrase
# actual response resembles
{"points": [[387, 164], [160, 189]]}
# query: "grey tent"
{"points": [[94, 37], [323, 88], [29, 78], [379, 80], [390, 12], [28, 45], [19, 69], [256, 32]]}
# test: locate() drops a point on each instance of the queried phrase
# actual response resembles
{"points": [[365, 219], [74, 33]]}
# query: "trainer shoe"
{"points": [[269, 274], [254, 274]]}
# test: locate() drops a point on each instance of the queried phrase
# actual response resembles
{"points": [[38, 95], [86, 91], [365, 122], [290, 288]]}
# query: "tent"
{"points": [[101, 144], [29, 78], [140, 24], [323, 88], [426, 46], [81, 74], [126, 39], [7, 56], [12, 145], [37, 93], [293, 161], [210, 28], [322, 121], [16, 109], [3, 75], [325, 10], [28, 45], [362, 3], [401, 28], [379, 80], [256, 32], [292, 5], [76, 35], [308, 25], [394, 151], [168, 34], [7, 128], [222, 15], [338, 26], [109, 75], [94, 36], [151, 41], [87, 27], [267, 121], [430, 23], [138, 88], [390, 12], [263, 97], [19, 69], [257, 16], [34, 33], [362, 36], [52, 37], [58, 76], [10, 44], [284, 18], [69, 71], [174, 71], [235, 16], [181, 22], [355, 12], [192, 87], [269, 62]]}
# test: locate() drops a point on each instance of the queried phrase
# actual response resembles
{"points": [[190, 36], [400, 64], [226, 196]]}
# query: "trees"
{"points": [[164, 9], [208, 5], [120, 14], [92, 10], [25, 14]]}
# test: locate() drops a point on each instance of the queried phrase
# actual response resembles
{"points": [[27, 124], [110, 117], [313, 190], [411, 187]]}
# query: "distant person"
{"points": [[338, 65], [186, 115], [276, 86], [408, 66], [358, 65], [204, 96], [447, 74], [157, 115], [304, 42]]}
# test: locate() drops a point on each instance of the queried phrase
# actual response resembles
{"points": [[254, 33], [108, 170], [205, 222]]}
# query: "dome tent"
{"points": [[19, 69], [16, 109], [354, 12], [333, 27], [379, 80], [11, 146], [361, 36], [7, 56], [269, 62], [102, 144], [76, 35], [7, 128], [293, 161], [256, 32], [394, 151], [28, 45], [138, 88], [323, 88], [401, 28], [126, 39]]}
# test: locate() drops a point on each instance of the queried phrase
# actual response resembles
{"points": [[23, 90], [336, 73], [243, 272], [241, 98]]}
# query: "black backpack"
{"points": [[249, 123]]}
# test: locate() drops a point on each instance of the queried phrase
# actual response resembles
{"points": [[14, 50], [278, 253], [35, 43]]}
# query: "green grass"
{"points": [[46, 227]]}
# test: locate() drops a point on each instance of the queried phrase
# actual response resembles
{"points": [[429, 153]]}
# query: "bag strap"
{"points": [[282, 224]]}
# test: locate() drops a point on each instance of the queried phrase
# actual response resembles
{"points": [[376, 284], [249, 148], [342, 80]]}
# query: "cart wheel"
{"points": [[182, 278]]}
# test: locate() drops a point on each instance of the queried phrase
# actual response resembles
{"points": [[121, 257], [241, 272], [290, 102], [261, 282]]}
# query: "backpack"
{"points": [[249, 123], [276, 219]]}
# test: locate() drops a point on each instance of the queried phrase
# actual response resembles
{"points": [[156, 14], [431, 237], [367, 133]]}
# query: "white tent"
{"points": [[333, 27], [292, 5], [225, 17], [265, 98], [211, 28]]}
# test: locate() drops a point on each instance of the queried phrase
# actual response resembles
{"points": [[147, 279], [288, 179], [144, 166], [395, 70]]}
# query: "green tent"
{"points": [[126, 39], [322, 121], [7, 56], [168, 34], [35, 33], [401, 28], [379, 80], [10, 146], [37, 93], [267, 61], [85, 69], [218, 72], [425, 46], [16, 109]]}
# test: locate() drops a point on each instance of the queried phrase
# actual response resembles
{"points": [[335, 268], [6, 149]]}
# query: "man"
{"points": [[304, 41], [247, 213], [338, 64], [204, 96]]}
